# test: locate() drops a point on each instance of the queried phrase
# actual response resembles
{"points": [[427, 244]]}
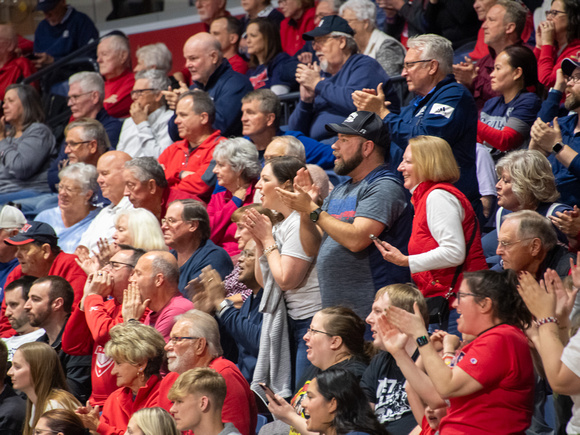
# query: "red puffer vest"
{"points": [[437, 282]]}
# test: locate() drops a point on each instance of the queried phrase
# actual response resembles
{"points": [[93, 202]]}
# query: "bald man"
{"points": [[110, 169], [153, 284], [12, 67], [212, 73]]}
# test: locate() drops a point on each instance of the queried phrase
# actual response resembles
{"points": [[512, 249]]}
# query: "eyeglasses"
{"points": [[116, 265], [170, 221], [505, 244], [73, 98], [316, 331], [574, 79], [138, 92], [64, 188], [175, 340], [462, 295], [408, 65], [322, 40], [75, 145], [553, 13]]}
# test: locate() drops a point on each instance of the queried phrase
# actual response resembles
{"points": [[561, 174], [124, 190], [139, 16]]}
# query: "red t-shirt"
{"points": [[13, 71], [500, 360], [118, 95], [238, 64], [239, 407], [291, 31]]}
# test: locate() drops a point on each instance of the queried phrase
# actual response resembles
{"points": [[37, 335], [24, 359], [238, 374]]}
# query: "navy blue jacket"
{"points": [[113, 129], [333, 101], [227, 88], [448, 111], [245, 326], [76, 31]]}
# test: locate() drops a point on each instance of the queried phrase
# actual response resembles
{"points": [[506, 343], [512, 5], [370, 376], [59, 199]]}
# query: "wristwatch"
{"points": [[557, 147], [422, 341], [224, 305], [315, 214]]}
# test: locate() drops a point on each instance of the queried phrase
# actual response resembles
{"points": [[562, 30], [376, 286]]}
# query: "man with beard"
{"points": [[326, 89], [48, 307], [560, 142], [373, 201]]}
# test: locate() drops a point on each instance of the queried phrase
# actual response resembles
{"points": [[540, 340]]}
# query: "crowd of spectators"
{"points": [[340, 217]]}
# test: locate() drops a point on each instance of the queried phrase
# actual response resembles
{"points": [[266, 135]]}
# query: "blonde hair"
{"points": [[404, 296], [532, 177], [136, 343], [144, 229], [433, 159], [200, 380], [155, 421], [48, 380]]}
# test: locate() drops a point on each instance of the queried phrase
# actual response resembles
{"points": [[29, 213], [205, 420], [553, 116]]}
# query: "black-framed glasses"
{"points": [[175, 340], [116, 265], [316, 331], [138, 92], [463, 294], [74, 98], [553, 13], [408, 65], [74, 145]]}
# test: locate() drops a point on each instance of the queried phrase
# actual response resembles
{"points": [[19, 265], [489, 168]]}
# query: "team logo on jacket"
{"points": [[103, 363], [442, 109]]}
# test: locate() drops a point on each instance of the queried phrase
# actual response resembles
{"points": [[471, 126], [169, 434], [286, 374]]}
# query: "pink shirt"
{"points": [[164, 319]]}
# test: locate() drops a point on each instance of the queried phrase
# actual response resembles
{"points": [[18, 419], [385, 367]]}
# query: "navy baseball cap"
{"points": [[569, 65], [329, 24], [365, 124], [34, 232], [46, 5]]}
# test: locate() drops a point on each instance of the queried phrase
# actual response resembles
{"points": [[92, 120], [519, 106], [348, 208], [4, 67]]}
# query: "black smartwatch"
{"points": [[557, 147], [422, 341], [315, 214]]}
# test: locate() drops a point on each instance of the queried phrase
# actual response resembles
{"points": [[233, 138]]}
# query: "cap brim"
{"points": [[17, 241], [569, 65], [342, 129], [318, 31]]}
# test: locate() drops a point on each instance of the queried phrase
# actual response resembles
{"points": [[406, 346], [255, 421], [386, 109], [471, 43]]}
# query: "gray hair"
{"points": [[92, 130], [294, 148], [89, 82], [532, 177], [156, 78], [194, 210], [269, 102], [242, 156], [84, 174], [169, 269], [533, 225], [120, 43], [147, 168], [514, 13], [363, 10], [204, 326], [335, 4], [351, 44], [435, 47], [156, 56]]}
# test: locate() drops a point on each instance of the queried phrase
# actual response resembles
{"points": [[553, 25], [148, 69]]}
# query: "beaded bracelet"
{"points": [[269, 249], [545, 320]]}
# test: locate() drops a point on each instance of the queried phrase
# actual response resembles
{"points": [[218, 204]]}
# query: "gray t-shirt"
{"points": [[352, 278]]}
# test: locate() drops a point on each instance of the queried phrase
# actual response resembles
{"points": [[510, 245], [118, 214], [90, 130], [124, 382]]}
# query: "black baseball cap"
{"points": [[365, 124], [569, 65], [34, 232], [331, 23]]}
